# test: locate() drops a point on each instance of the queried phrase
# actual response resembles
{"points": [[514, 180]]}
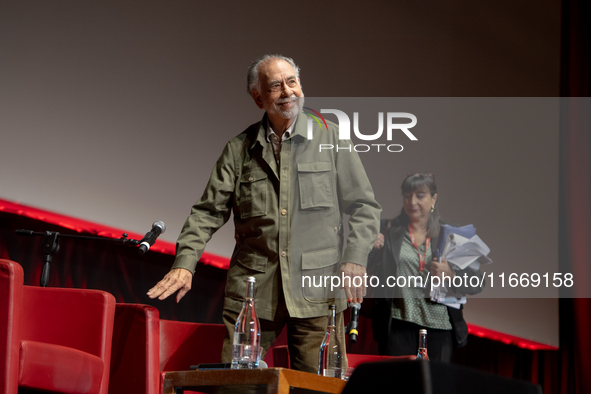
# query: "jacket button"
{"points": [[284, 212], [250, 179], [283, 254]]}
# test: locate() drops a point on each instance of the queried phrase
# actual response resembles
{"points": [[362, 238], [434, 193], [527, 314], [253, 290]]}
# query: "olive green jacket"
{"points": [[287, 218]]}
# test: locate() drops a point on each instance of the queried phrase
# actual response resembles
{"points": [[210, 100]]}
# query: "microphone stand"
{"points": [[51, 246]]}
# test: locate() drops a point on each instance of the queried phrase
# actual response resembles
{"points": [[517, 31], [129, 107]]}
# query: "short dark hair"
{"points": [[414, 182]]}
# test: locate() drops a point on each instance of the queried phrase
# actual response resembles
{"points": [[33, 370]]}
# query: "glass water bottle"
{"points": [[330, 359], [247, 333], [422, 353]]}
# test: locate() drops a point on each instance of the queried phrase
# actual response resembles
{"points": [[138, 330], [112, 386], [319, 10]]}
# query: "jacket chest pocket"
{"points": [[253, 194], [315, 182]]}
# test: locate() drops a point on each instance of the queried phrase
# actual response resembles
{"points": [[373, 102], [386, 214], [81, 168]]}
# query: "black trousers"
{"points": [[403, 340]]}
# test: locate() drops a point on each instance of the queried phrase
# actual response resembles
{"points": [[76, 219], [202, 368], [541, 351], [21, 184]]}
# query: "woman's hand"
{"points": [[441, 268], [379, 244]]}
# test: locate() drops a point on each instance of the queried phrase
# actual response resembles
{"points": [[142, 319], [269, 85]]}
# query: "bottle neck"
{"points": [[422, 341], [249, 296], [332, 320]]}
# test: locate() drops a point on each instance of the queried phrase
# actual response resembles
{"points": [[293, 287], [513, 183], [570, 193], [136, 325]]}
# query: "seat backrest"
{"points": [[81, 319], [184, 344], [11, 294], [77, 318]]}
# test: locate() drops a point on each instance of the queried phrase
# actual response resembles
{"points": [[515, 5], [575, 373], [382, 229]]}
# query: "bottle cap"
{"points": [[422, 331], [251, 279]]}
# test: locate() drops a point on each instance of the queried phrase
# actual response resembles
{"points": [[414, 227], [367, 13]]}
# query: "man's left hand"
{"points": [[352, 271]]}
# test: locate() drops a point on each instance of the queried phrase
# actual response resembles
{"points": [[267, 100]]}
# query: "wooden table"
{"points": [[269, 381]]}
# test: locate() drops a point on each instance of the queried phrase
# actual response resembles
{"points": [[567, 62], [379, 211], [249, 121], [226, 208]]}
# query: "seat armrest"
{"points": [[11, 299], [136, 349]]}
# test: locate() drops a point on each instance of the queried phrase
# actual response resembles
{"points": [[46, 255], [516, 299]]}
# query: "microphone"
{"points": [[354, 321], [150, 237]]}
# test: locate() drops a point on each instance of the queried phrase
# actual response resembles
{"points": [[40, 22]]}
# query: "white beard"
{"points": [[289, 113]]}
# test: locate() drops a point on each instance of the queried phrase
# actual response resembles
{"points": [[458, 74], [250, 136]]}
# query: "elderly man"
{"points": [[287, 198]]}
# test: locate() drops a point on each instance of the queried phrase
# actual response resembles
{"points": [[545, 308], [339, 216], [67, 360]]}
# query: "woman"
{"points": [[406, 246]]}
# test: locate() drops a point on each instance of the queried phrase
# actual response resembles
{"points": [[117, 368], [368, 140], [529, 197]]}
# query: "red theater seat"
{"points": [[145, 348], [56, 339]]}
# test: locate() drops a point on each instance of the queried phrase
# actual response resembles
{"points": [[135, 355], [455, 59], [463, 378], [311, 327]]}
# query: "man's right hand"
{"points": [[176, 279]]}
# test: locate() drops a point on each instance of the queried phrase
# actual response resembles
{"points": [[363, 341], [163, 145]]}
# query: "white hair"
{"points": [[252, 78]]}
